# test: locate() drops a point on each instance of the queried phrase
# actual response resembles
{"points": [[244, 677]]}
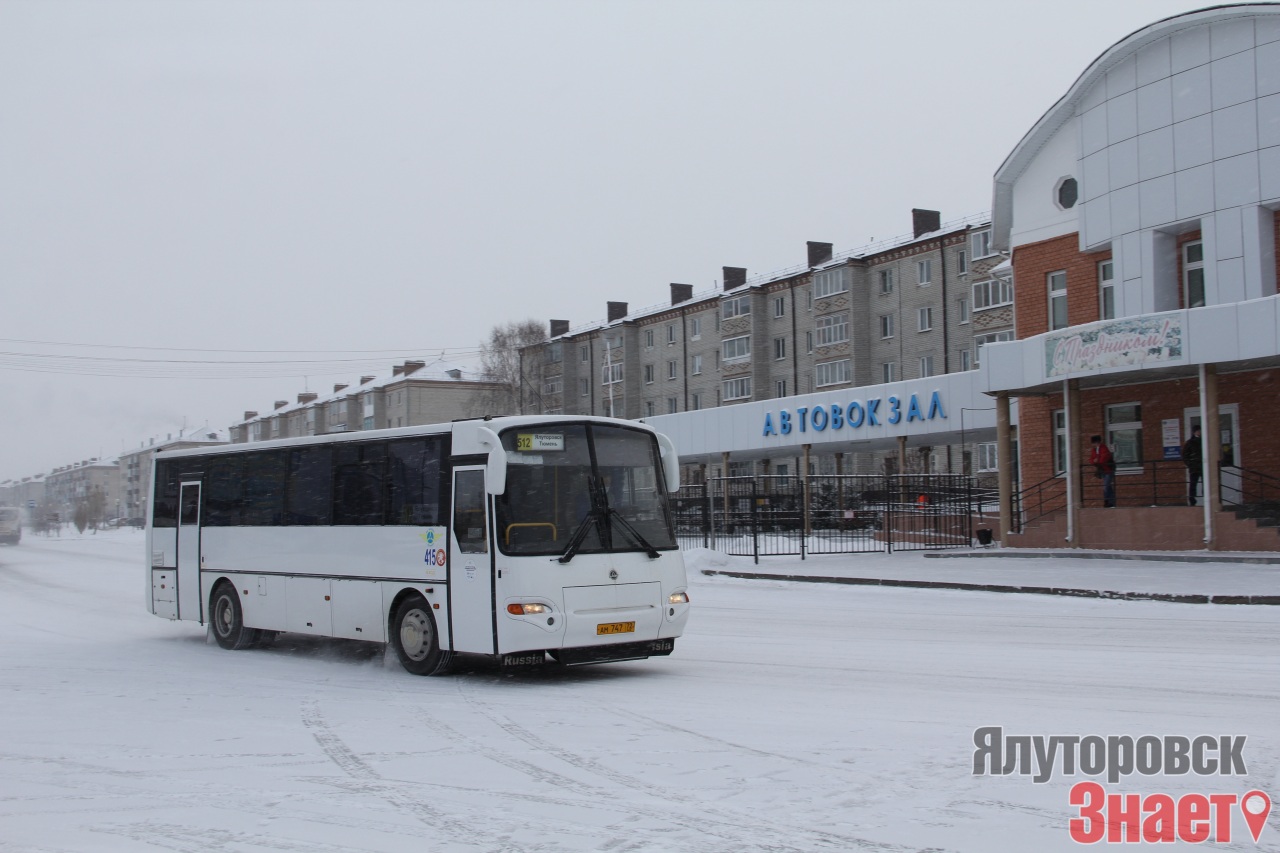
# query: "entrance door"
{"points": [[471, 593], [1228, 437], [189, 604]]}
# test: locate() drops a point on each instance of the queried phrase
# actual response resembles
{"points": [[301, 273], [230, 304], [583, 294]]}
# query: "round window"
{"points": [[1068, 192]]}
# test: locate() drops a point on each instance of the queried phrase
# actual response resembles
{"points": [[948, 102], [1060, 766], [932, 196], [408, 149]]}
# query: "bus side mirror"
{"points": [[495, 472], [670, 462]]}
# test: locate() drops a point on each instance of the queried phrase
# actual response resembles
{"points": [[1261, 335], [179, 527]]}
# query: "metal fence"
{"points": [[830, 514]]}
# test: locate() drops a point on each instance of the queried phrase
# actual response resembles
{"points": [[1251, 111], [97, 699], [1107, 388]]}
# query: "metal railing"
{"points": [[830, 514], [1038, 500]]}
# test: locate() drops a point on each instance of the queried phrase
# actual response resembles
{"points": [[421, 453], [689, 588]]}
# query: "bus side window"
{"points": [[468, 512]]}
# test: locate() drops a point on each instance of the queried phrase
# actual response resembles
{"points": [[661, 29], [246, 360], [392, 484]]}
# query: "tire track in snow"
{"points": [[732, 827], [367, 780]]}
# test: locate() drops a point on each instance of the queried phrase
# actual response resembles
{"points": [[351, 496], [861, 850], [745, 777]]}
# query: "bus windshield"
{"points": [[582, 489]]}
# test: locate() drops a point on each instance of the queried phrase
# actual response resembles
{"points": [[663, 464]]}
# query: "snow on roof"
{"points": [[977, 219], [436, 371]]}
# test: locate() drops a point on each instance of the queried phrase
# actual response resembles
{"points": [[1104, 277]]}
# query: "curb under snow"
{"points": [[1180, 598]]}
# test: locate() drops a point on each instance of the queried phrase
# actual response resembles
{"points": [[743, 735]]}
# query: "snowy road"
{"points": [[791, 717]]}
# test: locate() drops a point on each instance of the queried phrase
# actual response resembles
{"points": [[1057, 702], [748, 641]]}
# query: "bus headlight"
{"points": [[526, 609], [678, 598]]}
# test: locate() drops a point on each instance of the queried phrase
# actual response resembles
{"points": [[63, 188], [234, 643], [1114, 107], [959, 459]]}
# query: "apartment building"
{"points": [[26, 493], [134, 467], [912, 307], [92, 481], [413, 394], [1141, 214]]}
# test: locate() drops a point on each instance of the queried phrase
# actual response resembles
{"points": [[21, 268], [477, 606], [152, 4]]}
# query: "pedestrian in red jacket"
{"points": [[1104, 467]]}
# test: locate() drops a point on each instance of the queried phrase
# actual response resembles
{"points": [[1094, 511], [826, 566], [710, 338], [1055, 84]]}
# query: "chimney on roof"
{"points": [[365, 380], [248, 416], [280, 404], [734, 277], [339, 386], [616, 310], [681, 293], [412, 366], [307, 396], [397, 369], [559, 327], [819, 253], [924, 221], [453, 373]]}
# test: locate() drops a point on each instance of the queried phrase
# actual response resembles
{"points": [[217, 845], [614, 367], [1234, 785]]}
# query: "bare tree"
{"points": [[501, 362]]}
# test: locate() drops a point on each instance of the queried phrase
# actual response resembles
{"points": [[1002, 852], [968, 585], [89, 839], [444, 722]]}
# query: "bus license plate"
{"points": [[615, 628]]}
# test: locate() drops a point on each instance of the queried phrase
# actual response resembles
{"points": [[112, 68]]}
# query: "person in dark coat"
{"points": [[1193, 458], [1104, 467]]}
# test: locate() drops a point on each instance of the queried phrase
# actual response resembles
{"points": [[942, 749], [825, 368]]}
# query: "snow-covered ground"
{"points": [[792, 717]]}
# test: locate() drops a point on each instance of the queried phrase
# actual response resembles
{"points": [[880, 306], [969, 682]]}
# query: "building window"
{"points": [[924, 319], [962, 310], [779, 348], [886, 325], [736, 349], [830, 282], [739, 306], [831, 373], [555, 353], [926, 366], [780, 306], [992, 293], [962, 262], [780, 388], [584, 387], [695, 328], [648, 374], [986, 457], [553, 386], [1106, 290], [1124, 434], [1059, 441], [965, 359], [671, 370], [648, 338], [584, 353], [924, 271], [671, 333], [672, 406], [886, 281], [697, 365], [695, 401], [979, 341], [808, 340], [610, 374], [737, 389], [888, 371], [980, 244], [1058, 300], [832, 329], [648, 409], [1193, 274], [1066, 193]]}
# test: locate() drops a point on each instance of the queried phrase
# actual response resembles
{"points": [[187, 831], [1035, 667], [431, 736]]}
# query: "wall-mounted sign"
{"points": [[1171, 438], [857, 414], [1133, 341]]}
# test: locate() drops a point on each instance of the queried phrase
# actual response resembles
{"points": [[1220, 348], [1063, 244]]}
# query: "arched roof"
{"points": [[1065, 108]]}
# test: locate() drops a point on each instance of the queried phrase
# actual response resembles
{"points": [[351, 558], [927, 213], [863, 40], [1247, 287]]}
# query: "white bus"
{"points": [[519, 538]]}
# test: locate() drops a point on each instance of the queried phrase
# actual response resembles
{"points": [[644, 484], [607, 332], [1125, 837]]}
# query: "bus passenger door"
{"points": [[471, 601], [189, 553]]}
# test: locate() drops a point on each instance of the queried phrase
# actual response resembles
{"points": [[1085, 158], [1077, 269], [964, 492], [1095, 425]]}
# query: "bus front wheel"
{"points": [[414, 636], [228, 620]]}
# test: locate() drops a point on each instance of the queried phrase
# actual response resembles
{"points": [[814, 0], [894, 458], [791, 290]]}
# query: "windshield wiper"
{"points": [[598, 513], [578, 535], [635, 534]]}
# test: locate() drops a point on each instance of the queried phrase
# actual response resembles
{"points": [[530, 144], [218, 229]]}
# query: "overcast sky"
{"points": [[391, 179]]}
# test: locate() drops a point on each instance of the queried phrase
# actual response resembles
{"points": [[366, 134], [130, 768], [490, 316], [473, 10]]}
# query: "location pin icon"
{"points": [[1256, 805]]}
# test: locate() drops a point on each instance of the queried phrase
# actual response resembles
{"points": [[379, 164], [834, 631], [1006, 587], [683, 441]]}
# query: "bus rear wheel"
{"points": [[414, 636], [228, 620]]}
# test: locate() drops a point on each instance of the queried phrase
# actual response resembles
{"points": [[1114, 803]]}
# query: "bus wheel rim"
{"points": [[415, 635]]}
